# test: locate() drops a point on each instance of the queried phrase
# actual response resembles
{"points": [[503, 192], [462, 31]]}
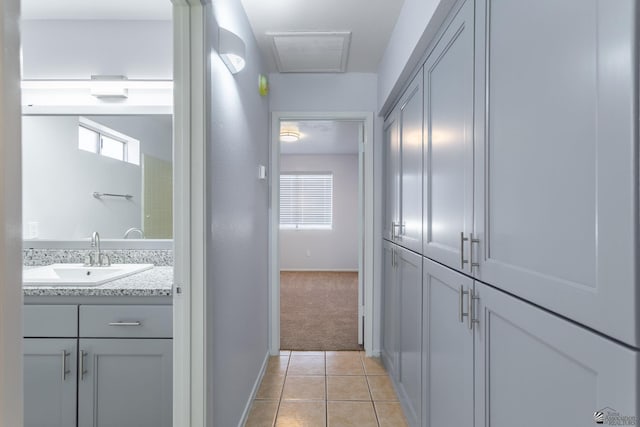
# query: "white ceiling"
{"points": [[322, 137], [369, 21], [96, 9]]}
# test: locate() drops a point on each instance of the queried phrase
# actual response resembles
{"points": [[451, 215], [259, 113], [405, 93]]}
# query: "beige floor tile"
{"points": [[301, 414], [351, 414], [353, 354], [307, 353], [285, 352], [262, 414], [277, 365], [271, 387], [344, 364], [374, 366], [304, 388], [390, 414], [306, 365], [350, 387], [381, 388]]}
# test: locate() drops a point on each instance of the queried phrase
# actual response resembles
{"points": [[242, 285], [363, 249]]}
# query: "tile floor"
{"points": [[333, 388]]}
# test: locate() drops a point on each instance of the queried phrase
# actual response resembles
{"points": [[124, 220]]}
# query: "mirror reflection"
{"points": [[86, 173]]}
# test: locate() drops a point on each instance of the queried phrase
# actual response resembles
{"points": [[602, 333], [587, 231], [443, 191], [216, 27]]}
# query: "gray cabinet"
{"points": [[125, 382], [409, 377], [447, 343], [402, 325], [449, 143], [106, 365], [557, 175], [532, 365], [410, 117], [391, 177], [402, 216], [50, 367], [390, 308]]}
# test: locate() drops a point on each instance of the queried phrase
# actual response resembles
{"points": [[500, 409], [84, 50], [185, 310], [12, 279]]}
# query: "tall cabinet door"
{"points": [[125, 382], [391, 177], [532, 367], [409, 267], [448, 151], [50, 382], [390, 308], [447, 345], [557, 190], [411, 166]]}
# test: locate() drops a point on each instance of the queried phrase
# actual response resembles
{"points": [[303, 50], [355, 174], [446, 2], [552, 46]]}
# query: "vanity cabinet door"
{"points": [[50, 382], [448, 147], [125, 382]]}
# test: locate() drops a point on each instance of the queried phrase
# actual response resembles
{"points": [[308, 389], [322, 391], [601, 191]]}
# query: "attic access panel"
{"points": [[311, 52]]}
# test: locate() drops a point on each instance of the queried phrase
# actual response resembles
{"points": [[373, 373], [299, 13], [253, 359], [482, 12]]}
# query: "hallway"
{"points": [[318, 389]]}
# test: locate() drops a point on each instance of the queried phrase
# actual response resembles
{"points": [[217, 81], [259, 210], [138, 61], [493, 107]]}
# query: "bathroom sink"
{"points": [[78, 274]]}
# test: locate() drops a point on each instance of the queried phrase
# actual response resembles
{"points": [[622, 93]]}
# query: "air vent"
{"points": [[311, 52]]}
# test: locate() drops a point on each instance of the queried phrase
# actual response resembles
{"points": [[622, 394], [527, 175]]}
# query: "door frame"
{"points": [[367, 233], [190, 73]]}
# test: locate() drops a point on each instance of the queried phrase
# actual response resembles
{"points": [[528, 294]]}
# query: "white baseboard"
{"points": [[254, 391]]}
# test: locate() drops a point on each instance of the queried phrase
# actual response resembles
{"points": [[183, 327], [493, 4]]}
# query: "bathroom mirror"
{"points": [[105, 173]]}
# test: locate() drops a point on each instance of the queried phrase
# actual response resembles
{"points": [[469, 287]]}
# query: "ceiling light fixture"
{"points": [[231, 49], [289, 136]]}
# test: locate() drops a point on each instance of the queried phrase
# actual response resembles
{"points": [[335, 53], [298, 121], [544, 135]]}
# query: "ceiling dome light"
{"points": [[289, 136]]}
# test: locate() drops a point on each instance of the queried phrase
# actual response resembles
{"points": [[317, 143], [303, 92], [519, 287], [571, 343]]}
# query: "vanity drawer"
{"points": [[55, 321], [126, 321]]}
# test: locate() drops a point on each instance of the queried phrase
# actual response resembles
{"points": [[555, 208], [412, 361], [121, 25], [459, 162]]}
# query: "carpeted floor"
{"points": [[318, 311]]}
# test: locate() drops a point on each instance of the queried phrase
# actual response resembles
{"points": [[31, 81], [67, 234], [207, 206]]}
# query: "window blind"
{"points": [[306, 200]]}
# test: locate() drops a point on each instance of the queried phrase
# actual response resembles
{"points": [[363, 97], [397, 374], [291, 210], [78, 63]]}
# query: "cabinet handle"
{"points": [[395, 235], [65, 371], [125, 323], [476, 241], [472, 300], [461, 313], [462, 260], [83, 354]]}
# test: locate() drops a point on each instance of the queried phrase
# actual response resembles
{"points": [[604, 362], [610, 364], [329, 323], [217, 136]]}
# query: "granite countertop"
{"points": [[155, 282]]}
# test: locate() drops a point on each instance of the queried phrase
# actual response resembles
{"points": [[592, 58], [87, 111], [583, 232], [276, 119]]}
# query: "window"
{"points": [[306, 201], [99, 139]]}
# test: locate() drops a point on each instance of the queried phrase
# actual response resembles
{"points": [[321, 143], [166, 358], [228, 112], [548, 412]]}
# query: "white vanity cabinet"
{"points": [[109, 365], [556, 188]]}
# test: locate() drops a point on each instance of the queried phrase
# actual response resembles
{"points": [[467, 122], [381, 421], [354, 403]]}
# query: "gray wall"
{"points": [[237, 216], [76, 49], [335, 249]]}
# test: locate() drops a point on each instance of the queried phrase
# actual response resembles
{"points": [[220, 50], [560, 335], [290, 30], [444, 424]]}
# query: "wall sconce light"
{"points": [[231, 50], [114, 89], [289, 136]]}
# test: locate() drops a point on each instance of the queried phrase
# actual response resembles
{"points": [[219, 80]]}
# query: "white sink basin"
{"points": [[78, 274]]}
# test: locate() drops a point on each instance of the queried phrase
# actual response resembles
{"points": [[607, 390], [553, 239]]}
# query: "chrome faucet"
{"points": [[134, 230], [97, 259]]}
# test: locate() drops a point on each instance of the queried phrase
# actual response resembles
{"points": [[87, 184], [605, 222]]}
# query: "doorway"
{"points": [[316, 257]]}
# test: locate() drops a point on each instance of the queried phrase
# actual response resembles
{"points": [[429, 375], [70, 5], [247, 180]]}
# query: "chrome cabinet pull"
{"points": [[125, 323], [65, 371], [395, 226], [472, 299], [83, 354], [461, 313], [462, 260], [476, 241]]}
